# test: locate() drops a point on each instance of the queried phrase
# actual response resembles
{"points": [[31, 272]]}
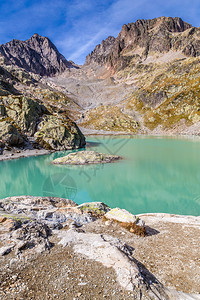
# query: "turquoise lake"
{"points": [[156, 175]]}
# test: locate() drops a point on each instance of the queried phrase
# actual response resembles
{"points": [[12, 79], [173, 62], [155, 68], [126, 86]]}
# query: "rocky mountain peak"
{"points": [[101, 51], [168, 23], [143, 37], [37, 54]]}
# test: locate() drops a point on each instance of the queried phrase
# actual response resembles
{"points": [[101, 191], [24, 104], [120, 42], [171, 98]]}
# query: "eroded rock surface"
{"points": [[31, 225], [55, 134], [9, 135], [25, 116], [97, 208], [111, 252]]}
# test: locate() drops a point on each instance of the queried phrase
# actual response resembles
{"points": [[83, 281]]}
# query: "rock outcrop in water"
{"points": [[85, 158]]}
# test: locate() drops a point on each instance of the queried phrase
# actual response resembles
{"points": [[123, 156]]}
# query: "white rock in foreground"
{"points": [[111, 252], [121, 215]]}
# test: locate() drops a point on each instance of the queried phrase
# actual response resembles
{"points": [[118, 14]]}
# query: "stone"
{"points": [[2, 146], [86, 157], [112, 252], [11, 224], [32, 118], [97, 208], [80, 219], [101, 51], [2, 219], [10, 135], [32, 235], [5, 250], [145, 36], [120, 215], [55, 134], [25, 112], [127, 221], [51, 211]]}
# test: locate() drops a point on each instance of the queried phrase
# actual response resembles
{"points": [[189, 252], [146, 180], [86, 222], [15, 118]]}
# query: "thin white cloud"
{"points": [[119, 12], [77, 26]]}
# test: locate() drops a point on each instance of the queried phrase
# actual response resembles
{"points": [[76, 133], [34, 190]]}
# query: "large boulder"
{"points": [[121, 215], [9, 134], [25, 112], [127, 220], [33, 119], [53, 133]]}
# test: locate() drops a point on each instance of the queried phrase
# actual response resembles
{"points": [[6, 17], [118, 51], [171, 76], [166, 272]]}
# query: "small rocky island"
{"points": [[86, 157]]}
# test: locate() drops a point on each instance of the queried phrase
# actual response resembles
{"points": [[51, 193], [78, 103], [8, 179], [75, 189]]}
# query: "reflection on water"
{"points": [[156, 175]]}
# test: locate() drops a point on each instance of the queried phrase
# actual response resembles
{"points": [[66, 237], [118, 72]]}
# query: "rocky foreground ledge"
{"points": [[85, 158], [53, 248]]}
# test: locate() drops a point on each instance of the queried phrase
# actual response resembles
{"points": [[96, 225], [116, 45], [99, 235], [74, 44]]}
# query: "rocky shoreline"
{"points": [[16, 153], [8, 155], [48, 242]]}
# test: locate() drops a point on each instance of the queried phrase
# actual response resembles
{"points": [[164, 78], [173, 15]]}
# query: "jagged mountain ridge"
{"points": [[150, 86], [140, 39], [157, 61], [37, 54]]}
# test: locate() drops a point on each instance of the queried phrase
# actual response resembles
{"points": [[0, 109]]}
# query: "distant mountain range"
{"points": [[144, 81]]}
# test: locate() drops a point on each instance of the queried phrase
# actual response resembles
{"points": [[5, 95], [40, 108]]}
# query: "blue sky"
{"points": [[76, 27]]}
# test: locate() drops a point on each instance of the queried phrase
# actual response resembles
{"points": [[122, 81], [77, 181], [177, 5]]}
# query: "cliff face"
{"points": [[140, 39], [38, 55], [101, 51]]}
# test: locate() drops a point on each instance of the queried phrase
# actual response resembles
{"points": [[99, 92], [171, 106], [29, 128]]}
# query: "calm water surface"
{"points": [[156, 175]]}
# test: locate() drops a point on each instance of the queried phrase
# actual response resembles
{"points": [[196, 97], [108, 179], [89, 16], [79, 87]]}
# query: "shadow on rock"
{"points": [[151, 231]]}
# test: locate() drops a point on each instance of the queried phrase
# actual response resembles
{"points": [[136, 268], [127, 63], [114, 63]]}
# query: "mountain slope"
{"points": [[157, 61], [34, 116]]}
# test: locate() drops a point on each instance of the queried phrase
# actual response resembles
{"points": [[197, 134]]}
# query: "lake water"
{"points": [[156, 175]]}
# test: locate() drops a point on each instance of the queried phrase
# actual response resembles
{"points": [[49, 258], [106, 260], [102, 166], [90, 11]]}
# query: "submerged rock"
{"points": [[86, 157]]}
